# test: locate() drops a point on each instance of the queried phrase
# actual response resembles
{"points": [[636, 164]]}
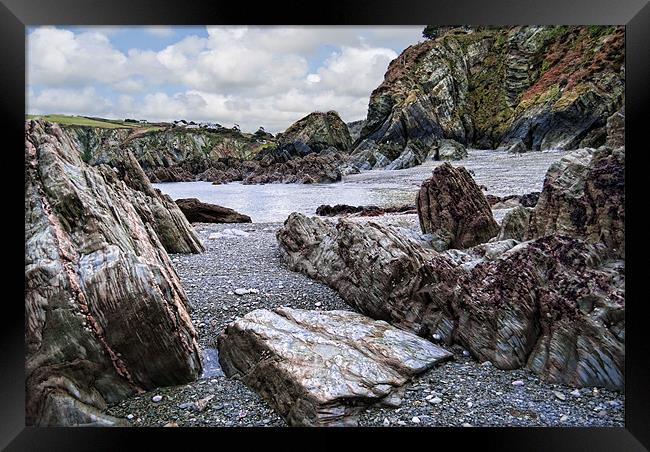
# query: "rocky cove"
{"points": [[490, 291]]}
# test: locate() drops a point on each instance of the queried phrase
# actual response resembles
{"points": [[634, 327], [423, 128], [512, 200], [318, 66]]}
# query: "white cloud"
{"points": [[160, 32], [67, 101], [252, 76]]}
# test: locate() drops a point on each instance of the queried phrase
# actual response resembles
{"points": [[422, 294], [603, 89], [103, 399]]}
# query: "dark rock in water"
{"points": [[554, 305], [321, 368], [527, 200], [310, 169], [584, 197], [200, 212], [367, 211], [451, 206], [105, 313]]}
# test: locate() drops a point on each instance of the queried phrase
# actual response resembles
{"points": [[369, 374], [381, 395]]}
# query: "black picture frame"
{"points": [[15, 15]]}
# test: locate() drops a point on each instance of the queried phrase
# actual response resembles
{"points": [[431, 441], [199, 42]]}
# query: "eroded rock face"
{"points": [[520, 88], [554, 305], [584, 196], [452, 207], [320, 368], [105, 313], [200, 212], [153, 206], [318, 131]]}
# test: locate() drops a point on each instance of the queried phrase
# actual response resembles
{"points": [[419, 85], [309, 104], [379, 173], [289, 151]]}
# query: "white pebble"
{"points": [[241, 292], [518, 383], [436, 337], [559, 395], [576, 393], [564, 418], [415, 420], [386, 422], [318, 304], [467, 424], [436, 400], [130, 416], [156, 398]]}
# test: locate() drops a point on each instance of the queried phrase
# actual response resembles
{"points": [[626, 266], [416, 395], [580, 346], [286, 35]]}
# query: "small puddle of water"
{"points": [[210, 362]]}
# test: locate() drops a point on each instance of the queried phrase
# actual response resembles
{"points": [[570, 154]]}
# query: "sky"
{"points": [[267, 76]]}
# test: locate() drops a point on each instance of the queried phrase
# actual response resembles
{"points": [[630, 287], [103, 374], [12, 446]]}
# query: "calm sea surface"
{"points": [[502, 173]]}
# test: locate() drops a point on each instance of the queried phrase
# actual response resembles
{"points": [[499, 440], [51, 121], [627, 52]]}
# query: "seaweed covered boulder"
{"points": [[452, 207], [105, 313]]}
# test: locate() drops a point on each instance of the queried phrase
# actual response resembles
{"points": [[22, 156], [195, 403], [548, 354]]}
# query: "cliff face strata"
{"points": [[517, 88], [309, 151], [105, 314]]}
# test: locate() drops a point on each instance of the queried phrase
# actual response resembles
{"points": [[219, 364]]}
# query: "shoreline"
{"points": [[469, 392]]}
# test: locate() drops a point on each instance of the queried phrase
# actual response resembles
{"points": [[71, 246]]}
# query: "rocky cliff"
{"points": [[310, 150], [105, 313], [517, 88]]}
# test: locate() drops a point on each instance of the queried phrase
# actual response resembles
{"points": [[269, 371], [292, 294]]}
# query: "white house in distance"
{"points": [[192, 125]]}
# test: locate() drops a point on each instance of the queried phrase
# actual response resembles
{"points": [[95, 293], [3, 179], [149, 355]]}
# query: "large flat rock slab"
{"points": [[323, 367]]}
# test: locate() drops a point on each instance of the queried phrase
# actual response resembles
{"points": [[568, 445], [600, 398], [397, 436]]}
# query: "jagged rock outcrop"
{"points": [[325, 210], [515, 224], [584, 196], [518, 88], [554, 305], [105, 313], [200, 212], [453, 208], [321, 368], [616, 129], [170, 154], [449, 150], [154, 207], [313, 168], [355, 128], [318, 131], [526, 200]]}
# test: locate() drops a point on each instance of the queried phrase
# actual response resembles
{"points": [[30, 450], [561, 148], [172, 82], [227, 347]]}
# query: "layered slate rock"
{"points": [[453, 208], [519, 88], [105, 313], [554, 305], [584, 196], [154, 207], [200, 212], [320, 368]]}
